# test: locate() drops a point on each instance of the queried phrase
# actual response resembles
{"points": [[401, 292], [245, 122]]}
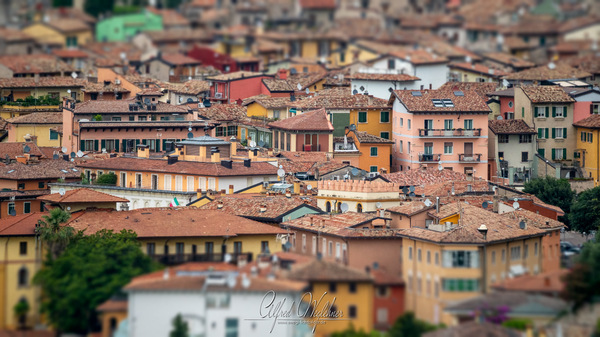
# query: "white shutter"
{"points": [[474, 259], [179, 183], [202, 183], [314, 245], [338, 250], [190, 184], [168, 183], [447, 259]]}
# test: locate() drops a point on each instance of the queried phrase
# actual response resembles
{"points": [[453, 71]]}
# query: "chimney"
{"points": [[263, 208], [483, 230], [166, 273], [143, 151], [252, 154], [230, 189], [437, 204], [23, 160], [33, 139], [282, 74], [288, 194], [219, 204], [199, 193], [215, 155], [223, 192], [248, 162], [226, 163], [172, 160]]}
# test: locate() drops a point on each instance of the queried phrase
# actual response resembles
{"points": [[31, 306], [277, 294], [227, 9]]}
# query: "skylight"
{"points": [[438, 103], [11, 171], [459, 93], [448, 103], [416, 93], [64, 171], [443, 103]]}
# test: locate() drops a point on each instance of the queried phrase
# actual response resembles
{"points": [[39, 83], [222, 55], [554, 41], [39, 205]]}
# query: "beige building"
{"points": [[358, 195]]}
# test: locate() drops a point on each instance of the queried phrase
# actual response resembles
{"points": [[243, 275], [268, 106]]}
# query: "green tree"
{"points": [[97, 7], [553, 191], [98, 118], [180, 327], [352, 332], [409, 326], [585, 211], [62, 3], [21, 309], [582, 283], [53, 233], [89, 271], [520, 324], [106, 179]]}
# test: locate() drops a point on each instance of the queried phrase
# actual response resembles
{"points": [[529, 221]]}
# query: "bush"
{"points": [[520, 324], [32, 101], [106, 179]]}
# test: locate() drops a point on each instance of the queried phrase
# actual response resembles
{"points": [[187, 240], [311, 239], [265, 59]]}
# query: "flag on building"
{"points": [[174, 202]]}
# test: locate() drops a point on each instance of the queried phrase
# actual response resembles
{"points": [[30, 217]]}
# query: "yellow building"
{"points": [[46, 126], [266, 107], [374, 151], [64, 32], [355, 52], [469, 72], [588, 146], [346, 296], [20, 259], [460, 253], [374, 118]]}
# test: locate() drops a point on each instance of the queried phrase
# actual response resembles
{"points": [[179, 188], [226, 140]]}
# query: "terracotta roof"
{"points": [[68, 25], [477, 68], [70, 53], [341, 99], [510, 92], [175, 35], [346, 225], [589, 62], [474, 329], [540, 283], [38, 118], [592, 122], [364, 137], [22, 224], [25, 194], [45, 169], [409, 208], [519, 303], [177, 59], [122, 106], [510, 126], [306, 79], [268, 102], [559, 71], [419, 56], [101, 87], [172, 222], [13, 35], [249, 207], [508, 59], [384, 77], [42, 82], [140, 124], [193, 87], [326, 271], [113, 305], [315, 120], [170, 17], [500, 228], [304, 156], [426, 176], [223, 112], [111, 52], [534, 219], [13, 149], [235, 76], [546, 94], [481, 88], [325, 167], [203, 3], [278, 85], [422, 101], [182, 167], [318, 4], [81, 195]]}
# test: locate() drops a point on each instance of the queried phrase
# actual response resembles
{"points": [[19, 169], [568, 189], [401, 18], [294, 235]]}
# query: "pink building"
{"points": [[507, 102], [228, 88], [587, 102], [440, 127]]}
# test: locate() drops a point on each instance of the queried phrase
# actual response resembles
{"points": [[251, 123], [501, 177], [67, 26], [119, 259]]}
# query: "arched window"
{"points": [[23, 277], [328, 207], [359, 208]]}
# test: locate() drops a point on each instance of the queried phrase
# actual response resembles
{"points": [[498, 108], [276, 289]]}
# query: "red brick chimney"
{"points": [[282, 74]]}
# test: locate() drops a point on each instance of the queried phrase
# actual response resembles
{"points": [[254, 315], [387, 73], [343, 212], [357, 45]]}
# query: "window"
{"points": [[332, 287], [352, 311], [264, 246], [373, 169], [94, 96], [382, 315], [448, 147], [503, 139], [542, 111], [231, 327], [23, 248], [26, 207], [595, 108], [559, 111], [373, 151], [559, 154], [542, 133], [509, 115], [401, 122], [11, 208], [408, 148], [23, 277], [143, 118], [429, 257], [510, 104], [493, 257], [384, 117], [468, 124], [21, 186], [535, 249], [401, 146], [501, 155], [503, 255], [303, 242], [559, 133], [391, 64], [525, 251], [362, 116], [515, 253], [116, 119], [352, 287], [53, 135], [460, 285], [524, 157], [150, 248], [409, 123], [448, 124], [437, 258], [384, 135], [525, 138], [410, 253], [460, 259], [428, 124]]}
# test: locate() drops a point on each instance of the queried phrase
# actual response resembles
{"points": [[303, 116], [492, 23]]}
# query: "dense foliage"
{"points": [[106, 179], [585, 211], [33, 101], [582, 283], [180, 327], [552, 191]]}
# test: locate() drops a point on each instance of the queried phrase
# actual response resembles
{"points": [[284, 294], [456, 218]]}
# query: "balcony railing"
{"points": [[175, 259], [449, 133], [429, 157], [469, 158]]}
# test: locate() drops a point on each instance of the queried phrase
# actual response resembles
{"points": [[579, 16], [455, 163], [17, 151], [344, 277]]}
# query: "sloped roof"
{"points": [[94, 107], [249, 207], [42, 82], [510, 126], [47, 168], [193, 87], [223, 112], [315, 120], [558, 71], [341, 99], [481, 88], [364, 137], [546, 94], [318, 4], [384, 77], [475, 329], [325, 271], [592, 122], [81, 195], [38, 118], [426, 176], [422, 100], [238, 75], [268, 102]]}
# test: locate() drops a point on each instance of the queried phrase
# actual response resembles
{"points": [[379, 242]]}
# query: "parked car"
{"points": [[568, 249]]}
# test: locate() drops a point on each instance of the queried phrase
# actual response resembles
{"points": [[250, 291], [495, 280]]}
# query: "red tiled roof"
{"points": [[346, 225], [384, 77], [327, 271], [172, 222], [426, 176], [418, 56], [478, 68], [250, 207], [182, 167], [38, 118], [70, 53], [238, 75], [176, 59], [223, 112], [508, 59], [13, 35], [534, 219], [318, 4], [112, 306], [268, 102], [315, 120], [546, 94], [483, 89], [13, 149], [540, 283], [340, 99], [423, 102], [42, 82], [45, 169], [409, 208], [510, 126], [193, 87], [591, 122], [22, 224], [94, 107], [81, 195], [559, 71]]}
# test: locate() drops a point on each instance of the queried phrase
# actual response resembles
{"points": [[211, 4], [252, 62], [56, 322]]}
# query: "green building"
{"points": [[123, 27]]}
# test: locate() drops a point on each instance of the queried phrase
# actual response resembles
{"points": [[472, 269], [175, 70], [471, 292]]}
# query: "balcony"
{"points": [[429, 157], [469, 158], [175, 259], [441, 133]]}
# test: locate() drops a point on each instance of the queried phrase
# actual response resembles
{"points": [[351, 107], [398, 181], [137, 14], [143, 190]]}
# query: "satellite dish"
{"points": [[499, 118], [245, 282], [412, 194], [68, 208], [72, 159], [12, 212], [378, 205], [280, 166], [515, 205], [468, 59], [428, 202], [352, 127], [261, 144], [344, 207], [354, 171], [354, 92], [440, 167], [252, 143], [494, 188], [522, 224], [64, 149], [281, 173], [55, 156], [190, 100], [123, 55], [412, 188], [103, 150], [79, 154], [516, 199], [505, 83], [73, 154], [231, 282], [227, 258], [551, 66], [405, 190], [74, 74], [61, 191], [299, 86], [26, 149], [309, 187], [190, 135], [484, 204], [69, 91], [190, 129]]}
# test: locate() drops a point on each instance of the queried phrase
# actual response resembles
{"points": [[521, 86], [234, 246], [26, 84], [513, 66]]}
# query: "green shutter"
{"points": [[157, 145], [565, 111], [547, 111], [553, 133], [164, 143], [564, 154], [82, 145], [553, 111], [144, 142], [540, 133], [546, 133], [553, 154], [542, 152], [535, 111], [124, 147], [565, 133], [137, 142], [103, 144], [117, 145], [96, 145], [523, 112]]}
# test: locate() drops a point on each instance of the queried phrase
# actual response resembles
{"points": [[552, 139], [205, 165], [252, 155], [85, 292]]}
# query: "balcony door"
{"points": [[468, 149]]}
